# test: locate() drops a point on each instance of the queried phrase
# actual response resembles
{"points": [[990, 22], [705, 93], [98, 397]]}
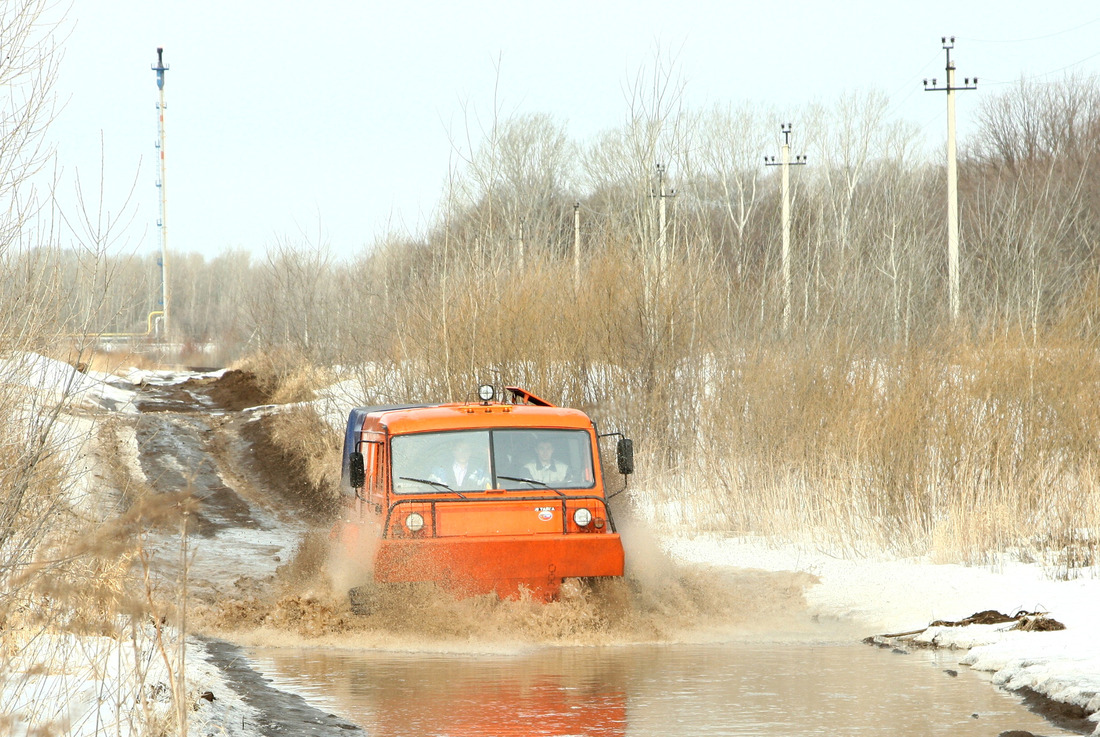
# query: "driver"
{"points": [[462, 474], [545, 468]]}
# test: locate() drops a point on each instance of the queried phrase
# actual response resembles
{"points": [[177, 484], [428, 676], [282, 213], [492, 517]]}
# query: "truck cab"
{"points": [[479, 497]]}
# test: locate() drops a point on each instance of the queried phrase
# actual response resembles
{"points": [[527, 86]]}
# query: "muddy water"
{"points": [[741, 688]]}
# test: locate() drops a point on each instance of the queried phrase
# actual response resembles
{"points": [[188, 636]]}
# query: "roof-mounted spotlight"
{"points": [[485, 392]]}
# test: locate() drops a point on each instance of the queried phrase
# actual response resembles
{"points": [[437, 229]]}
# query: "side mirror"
{"points": [[356, 471], [624, 452]]}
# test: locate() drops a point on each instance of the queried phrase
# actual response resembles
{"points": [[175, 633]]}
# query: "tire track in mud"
{"points": [[237, 534], [189, 438], [175, 457]]}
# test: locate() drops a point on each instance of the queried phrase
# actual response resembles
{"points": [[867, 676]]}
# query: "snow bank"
{"points": [[902, 595], [1063, 666], [54, 381]]}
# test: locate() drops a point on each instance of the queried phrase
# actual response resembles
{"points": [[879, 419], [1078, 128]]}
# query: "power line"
{"points": [[1040, 75], [1064, 31]]}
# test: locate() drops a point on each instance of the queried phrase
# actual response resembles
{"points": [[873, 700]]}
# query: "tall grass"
{"points": [[961, 450], [963, 446]]}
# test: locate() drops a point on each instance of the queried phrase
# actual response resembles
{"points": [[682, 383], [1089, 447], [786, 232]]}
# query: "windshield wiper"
{"points": [[531, 481], [431, 483]]}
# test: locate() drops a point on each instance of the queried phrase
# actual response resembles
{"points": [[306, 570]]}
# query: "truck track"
{"points": [[191, 438]]}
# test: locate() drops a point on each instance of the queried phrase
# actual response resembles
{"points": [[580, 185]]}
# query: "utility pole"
{"points": [[160, 68], [576, 246], [786, 164], [662, 214], [952, 174]]}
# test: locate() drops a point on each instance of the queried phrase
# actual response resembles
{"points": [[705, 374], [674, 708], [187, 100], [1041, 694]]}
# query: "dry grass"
{"points": [[284, 375], [964, 446], [963, 451], [71, 599], [305, 450], [312, 452]]}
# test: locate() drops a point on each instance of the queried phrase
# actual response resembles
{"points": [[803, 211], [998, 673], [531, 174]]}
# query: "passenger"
{"points": [[544, 468], [462, 474]]}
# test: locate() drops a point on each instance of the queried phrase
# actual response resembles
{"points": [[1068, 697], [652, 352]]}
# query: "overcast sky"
{"points": [[286, 118]]}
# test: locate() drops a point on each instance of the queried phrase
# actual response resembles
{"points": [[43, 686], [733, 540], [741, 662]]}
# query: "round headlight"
{"points": [[486, 392], [582, 517], [414, 522]]}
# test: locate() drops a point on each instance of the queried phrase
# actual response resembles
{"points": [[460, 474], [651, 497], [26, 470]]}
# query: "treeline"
{"points": [[868, 257]]}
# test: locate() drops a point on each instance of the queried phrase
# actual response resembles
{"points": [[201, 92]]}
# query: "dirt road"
{"points": [[199, 435]]}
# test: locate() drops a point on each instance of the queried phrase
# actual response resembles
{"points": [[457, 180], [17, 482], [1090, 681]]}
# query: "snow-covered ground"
{"points": [[96, 685], [894, 596]]}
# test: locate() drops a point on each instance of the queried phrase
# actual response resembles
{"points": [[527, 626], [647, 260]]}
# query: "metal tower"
{"points": [[160, 68]]}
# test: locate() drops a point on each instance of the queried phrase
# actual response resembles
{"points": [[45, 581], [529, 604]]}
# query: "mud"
{"points": [[1066, 716], [176, 456], [279, 473], [188, 397], [238, 390]]}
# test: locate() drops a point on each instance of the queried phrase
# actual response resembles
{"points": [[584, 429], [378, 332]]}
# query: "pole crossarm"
{"points": [[969, 83]]}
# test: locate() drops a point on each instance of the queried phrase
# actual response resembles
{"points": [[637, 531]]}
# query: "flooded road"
{"points": [[719, 689]]}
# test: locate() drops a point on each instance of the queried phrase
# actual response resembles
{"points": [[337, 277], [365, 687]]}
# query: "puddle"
{"points": [[740, 688]]}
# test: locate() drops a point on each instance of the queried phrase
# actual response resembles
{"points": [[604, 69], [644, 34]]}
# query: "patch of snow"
{"points": [[334, 402], [902, 595], [165, 377], [119, 686], [56, 381]]}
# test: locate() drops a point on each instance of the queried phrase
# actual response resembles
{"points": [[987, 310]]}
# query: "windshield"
{"points": [[475, 460]]}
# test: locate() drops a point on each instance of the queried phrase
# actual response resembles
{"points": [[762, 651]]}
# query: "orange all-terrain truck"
{"points": [[479, 497]]}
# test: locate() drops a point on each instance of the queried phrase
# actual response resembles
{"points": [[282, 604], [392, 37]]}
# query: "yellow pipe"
{"points": [[148, 331]]}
